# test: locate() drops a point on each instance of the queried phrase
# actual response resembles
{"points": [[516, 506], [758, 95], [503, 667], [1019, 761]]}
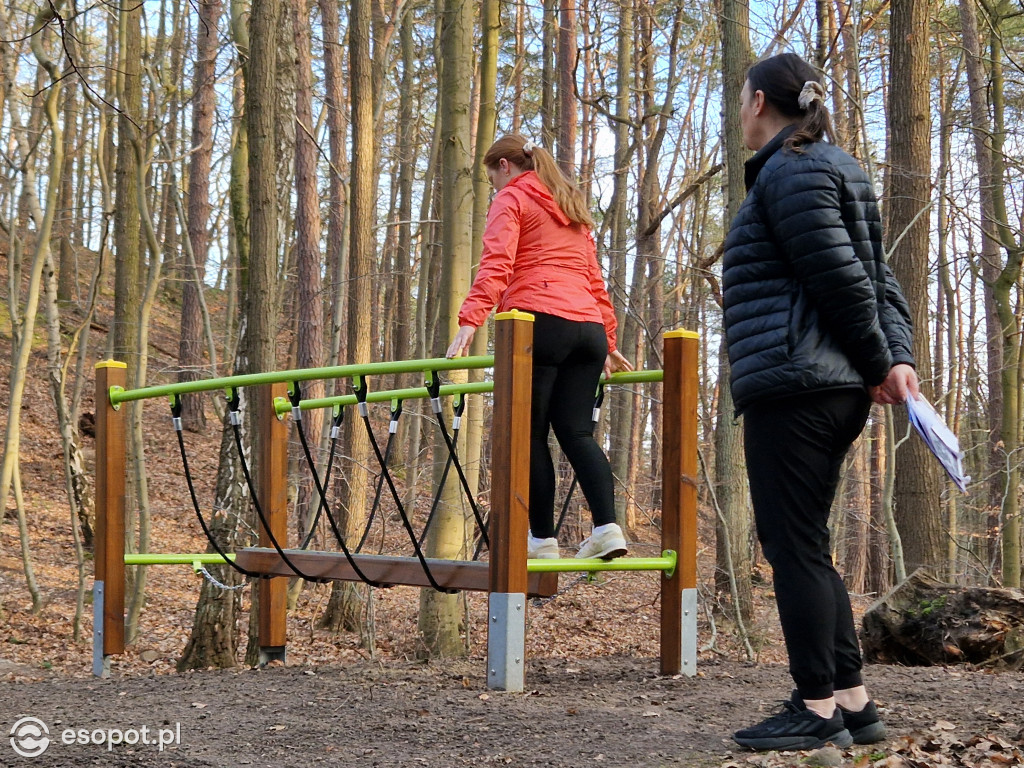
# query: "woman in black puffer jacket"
{"points": [[816, 328]]}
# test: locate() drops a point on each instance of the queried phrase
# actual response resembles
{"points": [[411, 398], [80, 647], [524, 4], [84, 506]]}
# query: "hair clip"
{"points": [[810, 93]]}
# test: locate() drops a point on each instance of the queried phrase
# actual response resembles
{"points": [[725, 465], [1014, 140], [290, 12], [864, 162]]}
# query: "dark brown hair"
{"points": [[530, 157], [781, 78]]}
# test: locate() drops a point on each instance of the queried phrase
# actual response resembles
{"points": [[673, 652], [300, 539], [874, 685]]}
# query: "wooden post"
{"points": [[108, 581], [272, 486], [510, 499], [679, 503]]}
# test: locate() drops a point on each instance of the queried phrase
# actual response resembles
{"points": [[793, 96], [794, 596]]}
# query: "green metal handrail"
{"points": [[197, 561], [120, 395], [667, 563], [283, 405]]}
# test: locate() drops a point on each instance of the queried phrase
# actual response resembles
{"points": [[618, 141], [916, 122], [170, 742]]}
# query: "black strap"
{"points": [[339, 417], [396, 414], [361, 390], [434, 389], [235, 417], [327, 507], [460, 406], [176, 419]]}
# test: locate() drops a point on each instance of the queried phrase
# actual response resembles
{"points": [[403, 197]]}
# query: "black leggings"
{"points": [[568, 358], [795, 448]]}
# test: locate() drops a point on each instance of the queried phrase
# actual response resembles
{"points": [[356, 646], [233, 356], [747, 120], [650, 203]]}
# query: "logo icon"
{"points": [[30, 737]]}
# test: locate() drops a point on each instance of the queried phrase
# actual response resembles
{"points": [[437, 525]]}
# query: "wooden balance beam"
{"points": [[385, 570]]}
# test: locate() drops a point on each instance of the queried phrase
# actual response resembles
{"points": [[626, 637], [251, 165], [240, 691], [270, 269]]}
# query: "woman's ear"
{"points": [[757, 103]]}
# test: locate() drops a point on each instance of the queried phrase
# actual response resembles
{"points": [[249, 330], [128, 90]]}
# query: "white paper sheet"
{"points": [[940, 440]]}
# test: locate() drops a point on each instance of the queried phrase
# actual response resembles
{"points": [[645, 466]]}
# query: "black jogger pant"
{"points": [[568, 358], [795, 448]]}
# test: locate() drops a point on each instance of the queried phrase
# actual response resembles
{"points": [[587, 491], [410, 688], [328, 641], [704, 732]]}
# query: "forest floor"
{"points": [[593, 695]]}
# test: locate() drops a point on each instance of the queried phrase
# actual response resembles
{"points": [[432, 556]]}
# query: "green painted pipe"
{"points": [[666, 563], [282, 405], [155, 558], [633, 377], [119, 395]]}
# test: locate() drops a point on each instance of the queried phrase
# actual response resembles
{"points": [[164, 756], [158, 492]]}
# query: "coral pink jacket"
{"points": [[535, 258]]}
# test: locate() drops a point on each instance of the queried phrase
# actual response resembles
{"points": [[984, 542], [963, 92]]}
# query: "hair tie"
{"points": [[810, 93], [528, 148]]}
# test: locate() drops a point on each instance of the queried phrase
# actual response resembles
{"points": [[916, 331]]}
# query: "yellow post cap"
{"points": [[514, 314], [680, 333], [110, 364]]}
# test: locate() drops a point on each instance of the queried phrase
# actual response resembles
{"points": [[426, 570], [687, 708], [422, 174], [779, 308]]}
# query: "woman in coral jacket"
{"points": [[539, 256]]}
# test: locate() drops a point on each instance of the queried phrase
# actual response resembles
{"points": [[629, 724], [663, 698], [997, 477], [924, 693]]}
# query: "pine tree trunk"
{"points": [[917, 485], [440, 614], [343, 611], [307, 244], [190, 348], [734, 530]]}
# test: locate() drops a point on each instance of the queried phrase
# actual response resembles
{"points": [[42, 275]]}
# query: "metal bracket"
{"points": [[506, 641]]}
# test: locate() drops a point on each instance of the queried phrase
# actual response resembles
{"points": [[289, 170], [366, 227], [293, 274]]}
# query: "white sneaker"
{"points": [[541, 549], [605, 542]]}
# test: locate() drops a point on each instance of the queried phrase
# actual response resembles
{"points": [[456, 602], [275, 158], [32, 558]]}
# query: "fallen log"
{"points": [[924, 621]]}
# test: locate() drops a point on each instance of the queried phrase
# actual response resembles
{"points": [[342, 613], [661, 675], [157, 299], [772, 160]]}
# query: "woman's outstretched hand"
{"points": [[616, 362], [900, 384], [460, 344]]}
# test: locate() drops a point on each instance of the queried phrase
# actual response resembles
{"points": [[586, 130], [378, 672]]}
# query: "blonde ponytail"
{"points": [[530, 157]]}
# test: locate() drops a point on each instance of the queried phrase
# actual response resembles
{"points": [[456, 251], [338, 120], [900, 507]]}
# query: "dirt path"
{"points": [[607, 711]]}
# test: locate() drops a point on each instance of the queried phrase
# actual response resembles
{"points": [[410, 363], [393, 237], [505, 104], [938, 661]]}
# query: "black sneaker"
{"points": [[795, 727], [865, 726]]}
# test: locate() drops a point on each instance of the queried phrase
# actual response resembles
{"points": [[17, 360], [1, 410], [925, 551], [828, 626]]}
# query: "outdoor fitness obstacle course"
{"points": [[507, 576]]}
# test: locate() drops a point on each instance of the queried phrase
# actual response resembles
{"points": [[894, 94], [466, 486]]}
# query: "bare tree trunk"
{"points": [[190, 348], [548, 108], [490, 23], [620, 411], [517, 75], [917, 481], [337, 266], [878, 579], [260, 295], [999, 279], [213, 641], [440, 614], [566, 88], [22, 348], [734, 529], [307, 244], [344, 609]]}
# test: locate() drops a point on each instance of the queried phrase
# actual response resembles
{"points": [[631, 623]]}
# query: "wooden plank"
{"points": [[110, 492], [679, 488], [510, 452], [272, 486], [451, 574]]}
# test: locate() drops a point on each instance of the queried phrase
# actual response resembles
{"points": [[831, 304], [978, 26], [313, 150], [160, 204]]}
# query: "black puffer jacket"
{"points": [[809, 302]]}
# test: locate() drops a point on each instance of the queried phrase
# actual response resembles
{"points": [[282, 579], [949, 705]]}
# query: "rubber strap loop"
{"points": [[330, 517], [234, 404], [435, 382], [386, 474], [176, 415]]}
